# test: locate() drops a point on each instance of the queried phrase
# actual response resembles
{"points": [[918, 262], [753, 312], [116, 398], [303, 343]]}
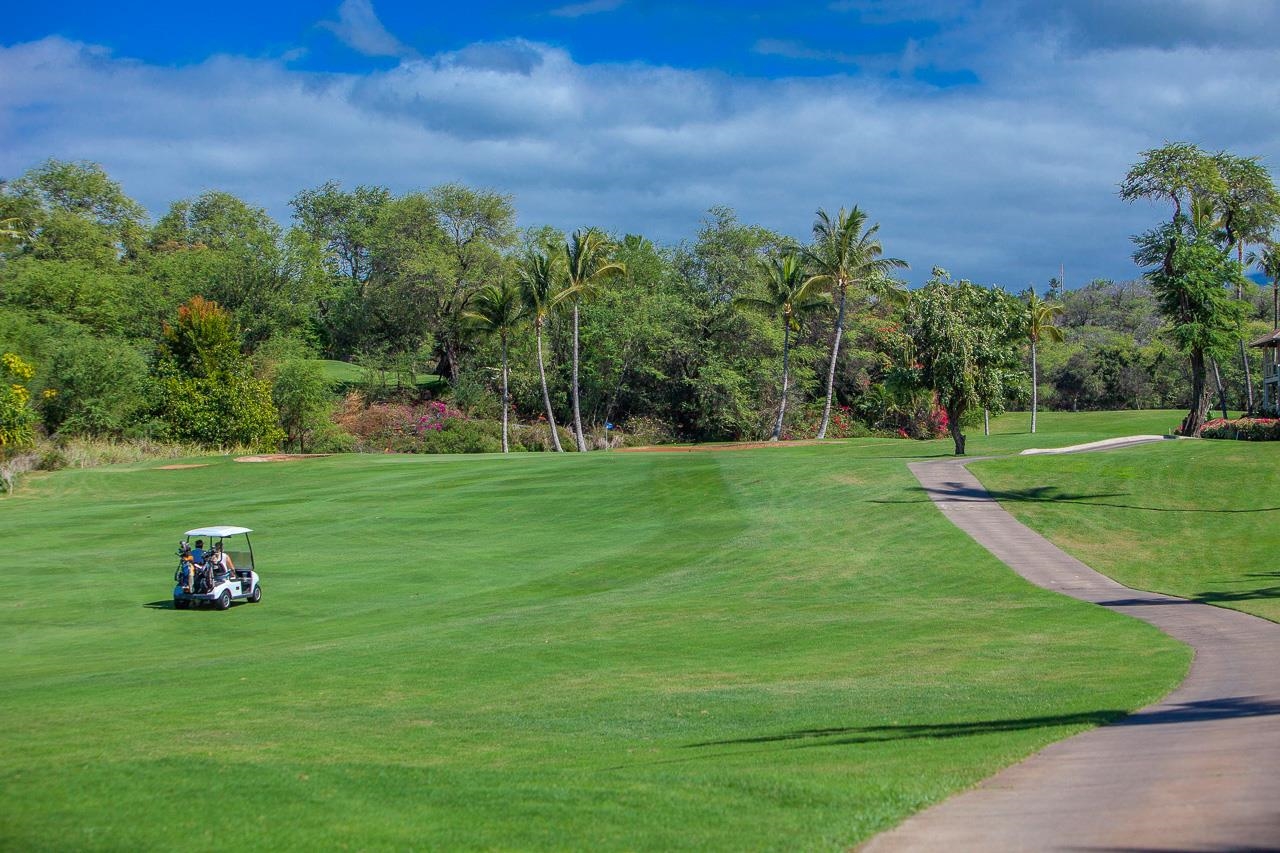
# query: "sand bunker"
{"points": [[177, 467]]}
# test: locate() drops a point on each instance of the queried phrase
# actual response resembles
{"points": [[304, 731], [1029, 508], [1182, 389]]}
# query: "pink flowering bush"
{"points": [[1243, 429]]}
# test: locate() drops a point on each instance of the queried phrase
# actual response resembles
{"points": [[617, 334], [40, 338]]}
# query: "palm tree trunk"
{"points": [[831, 371], [1222, 390], [577, 412], [1244, 356], [1248, 378], [786, 356], [986, 421], [546, 395], [505, 404], [1035, 392]]}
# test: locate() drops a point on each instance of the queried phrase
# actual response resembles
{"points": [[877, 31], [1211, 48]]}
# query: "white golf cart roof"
{"points": [[217, 531]]}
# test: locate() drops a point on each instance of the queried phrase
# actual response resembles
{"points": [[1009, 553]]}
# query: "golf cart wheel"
{"points": [[224, 600], [181, 604], [256, 595]]}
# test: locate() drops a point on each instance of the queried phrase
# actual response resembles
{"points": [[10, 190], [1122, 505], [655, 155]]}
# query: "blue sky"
{"points": [[986, 136]]}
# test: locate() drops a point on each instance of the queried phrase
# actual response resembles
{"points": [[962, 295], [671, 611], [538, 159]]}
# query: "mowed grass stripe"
{"points": [[776, 649]]}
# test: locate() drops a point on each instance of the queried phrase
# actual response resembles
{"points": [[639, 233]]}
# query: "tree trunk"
{"points": [[986, 421], [831, 371], [546, 395], [505, 399], [1200, 392], [577, 412], [1035, 391], [1222, 389], [786, 355], [1248, 379], [953, 416]]}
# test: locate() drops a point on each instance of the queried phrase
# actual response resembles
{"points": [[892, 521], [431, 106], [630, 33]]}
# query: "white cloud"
{"points": [[359, 28], [999, 182], [591, 7]]}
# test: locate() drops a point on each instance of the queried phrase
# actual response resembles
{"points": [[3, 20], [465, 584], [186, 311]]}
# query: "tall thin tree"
{"points": [[587, 269], [541, 273], [790, 293], [843, 257], [497, 309], [1040, 317]]}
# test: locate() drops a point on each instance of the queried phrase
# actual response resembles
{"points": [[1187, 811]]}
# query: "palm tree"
{"points": [[845, 256], [496, 310], [587, 270], [540, 274], [790, 293], [1040, 317], [1268, 262]]}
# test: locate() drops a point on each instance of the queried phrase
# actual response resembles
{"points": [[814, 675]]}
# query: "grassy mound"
{"points": [[761, 649], [1197, 519]]}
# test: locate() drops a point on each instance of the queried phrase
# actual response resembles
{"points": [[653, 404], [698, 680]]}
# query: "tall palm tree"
{"points": [[540, 275], [790, 293], [845, 256], [1268, 263], [496, 309], [587, 271], [1040, 316]]}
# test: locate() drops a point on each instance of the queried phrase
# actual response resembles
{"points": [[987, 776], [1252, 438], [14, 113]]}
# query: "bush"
{"points": [[644, 431], [225, 411], [1243, 429], [843, 424]]}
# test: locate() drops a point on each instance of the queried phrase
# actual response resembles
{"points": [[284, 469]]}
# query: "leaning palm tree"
{"points": [[587, 270], [843, 257], [790, 293], [1040, 316], [496, 309], [540, 275]]}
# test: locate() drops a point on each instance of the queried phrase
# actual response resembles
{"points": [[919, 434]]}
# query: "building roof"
{"points": [[1270, 339]]}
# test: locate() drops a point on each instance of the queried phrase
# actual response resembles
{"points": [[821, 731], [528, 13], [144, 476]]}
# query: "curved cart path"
{"points": [[1197, 771]]}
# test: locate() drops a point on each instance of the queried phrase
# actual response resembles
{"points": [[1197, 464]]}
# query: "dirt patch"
{"points": [[281, 457], [716, 448], [177, 467]]}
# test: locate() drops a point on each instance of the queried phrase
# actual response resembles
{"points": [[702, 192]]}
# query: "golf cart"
{"points": [[210, 572]]}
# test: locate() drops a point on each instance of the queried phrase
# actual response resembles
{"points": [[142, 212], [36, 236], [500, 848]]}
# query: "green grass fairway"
{"points": [[1198, 519], [346, 373], [785, 648]]}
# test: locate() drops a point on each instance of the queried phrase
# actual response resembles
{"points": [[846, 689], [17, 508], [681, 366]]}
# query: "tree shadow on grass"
{"points": [[961, 492], [1188, 712], [1211, 597]]}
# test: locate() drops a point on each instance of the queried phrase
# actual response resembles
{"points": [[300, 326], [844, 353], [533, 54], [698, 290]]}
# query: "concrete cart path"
{"points": [[1197, 771]]}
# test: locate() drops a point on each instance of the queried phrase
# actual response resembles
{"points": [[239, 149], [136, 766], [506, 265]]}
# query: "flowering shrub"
{"points": [[923, 419], [843, 424], [437, 414], [1244, 429], [17, 417], [433, 427]]}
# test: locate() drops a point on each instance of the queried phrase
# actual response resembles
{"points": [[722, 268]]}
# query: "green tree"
{"points": [[1192, 287], [964, 341], [587, 270], [1040, 317], [496, 310], [844, 256], [300, 393], [790, 292], [540, 274], [206, 392]]}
